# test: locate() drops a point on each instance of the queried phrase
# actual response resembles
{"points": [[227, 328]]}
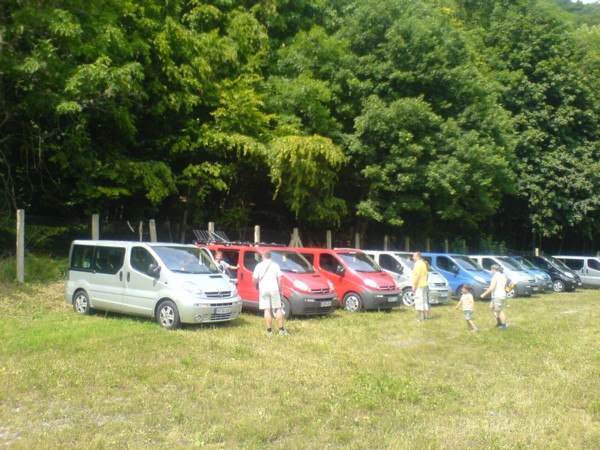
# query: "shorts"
{"points": [[422, 298], [269, 300], [498, 304], [468, 314]]}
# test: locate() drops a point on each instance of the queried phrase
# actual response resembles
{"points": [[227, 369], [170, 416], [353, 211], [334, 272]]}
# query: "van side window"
{"points": [[140, 259], [108, 259], [444, 263], [328, 262], [574, 264], [251, 259], [310, 258], [593, 264], [486, 263], [387, 262], [82, 257]]}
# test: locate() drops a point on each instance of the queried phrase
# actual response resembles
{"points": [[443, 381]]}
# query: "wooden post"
{"points": [[153, 237], [427, 245], [356, 240], [328, 239], [21, 245], [95, 226], [537, 251], [257, 234], [386, 242], [446, 246], [141, 231], [407, 244]]}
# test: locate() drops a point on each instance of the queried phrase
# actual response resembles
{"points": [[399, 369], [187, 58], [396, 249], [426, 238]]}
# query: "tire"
{"points": [[352, 302], [408, 297], [167, 315], [558, 286], [286, 308], [81, 303], [512, 293]]}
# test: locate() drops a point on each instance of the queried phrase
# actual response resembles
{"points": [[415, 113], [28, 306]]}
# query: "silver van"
{"points": [[525, 283], [400, 266], [172, 283], [587, 267]]}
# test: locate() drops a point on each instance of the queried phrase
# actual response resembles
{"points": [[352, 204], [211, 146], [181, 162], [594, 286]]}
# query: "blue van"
{"points": [[460, 270]]}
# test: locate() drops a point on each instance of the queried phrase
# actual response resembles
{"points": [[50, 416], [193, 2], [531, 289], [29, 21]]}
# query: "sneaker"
{"points": [[269, 333], [503, 326], [284, 332], [473, 330]]}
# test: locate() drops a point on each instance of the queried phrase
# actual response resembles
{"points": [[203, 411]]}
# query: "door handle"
{"points": [[121, 276]]}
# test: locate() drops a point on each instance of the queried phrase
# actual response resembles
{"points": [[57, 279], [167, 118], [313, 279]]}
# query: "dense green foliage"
{"points": [[432, 118]]}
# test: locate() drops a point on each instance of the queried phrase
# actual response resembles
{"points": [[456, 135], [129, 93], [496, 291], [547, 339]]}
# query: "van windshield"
{"points": [[360, 262], [291, 261], [509, 263], [558, 262], [186, 259], [525, 263], [467, 263]]}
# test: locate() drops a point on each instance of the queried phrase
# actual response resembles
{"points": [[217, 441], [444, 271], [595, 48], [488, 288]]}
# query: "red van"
{"points": [[357, 279], [305, 290]]}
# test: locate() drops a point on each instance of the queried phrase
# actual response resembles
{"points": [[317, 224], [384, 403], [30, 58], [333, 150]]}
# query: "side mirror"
{"points": [[454, 269], [339, 270], [154, 270], [399, 269]]}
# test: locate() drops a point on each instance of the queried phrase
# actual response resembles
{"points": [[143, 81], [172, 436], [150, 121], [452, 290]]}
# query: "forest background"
{"points": [[468, 120]]}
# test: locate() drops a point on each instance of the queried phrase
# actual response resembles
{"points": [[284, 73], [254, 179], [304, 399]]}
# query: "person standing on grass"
{"points": [[467, 301], [420, 274], [267, 275], [498, 290]]}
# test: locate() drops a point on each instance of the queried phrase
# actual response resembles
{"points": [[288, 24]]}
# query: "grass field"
{"points": [[359, 381]]}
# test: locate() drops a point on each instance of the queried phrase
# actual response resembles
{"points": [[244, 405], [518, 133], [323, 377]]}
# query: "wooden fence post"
{"points": [[257, 234], [356, 240], [295, 239], [386, 242], [328, 239], [21, 245], [153, 237], [427, 245], [407, 244], [95, 226]]}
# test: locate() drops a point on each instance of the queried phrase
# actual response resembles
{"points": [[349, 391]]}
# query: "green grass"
{"points": [[358, 381]]}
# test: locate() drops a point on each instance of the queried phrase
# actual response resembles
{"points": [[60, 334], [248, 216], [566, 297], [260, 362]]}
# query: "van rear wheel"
{"points": [[81, 303], [167, 315], [352, 302]]}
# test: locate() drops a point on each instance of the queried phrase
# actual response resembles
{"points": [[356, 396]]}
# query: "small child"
{"points": [[468, 305]]}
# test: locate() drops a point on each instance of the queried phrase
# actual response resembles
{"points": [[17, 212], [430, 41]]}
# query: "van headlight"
{"points": [[371, 283], [570, 275], [301, 285], [192, 288]]}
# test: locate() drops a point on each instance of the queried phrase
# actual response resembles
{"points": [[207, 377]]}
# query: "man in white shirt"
{"points": [[267, 275]]}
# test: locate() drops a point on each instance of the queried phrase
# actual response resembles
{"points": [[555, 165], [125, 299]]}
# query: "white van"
{"points": [[587, 267], [400, 265], [173, 283]]}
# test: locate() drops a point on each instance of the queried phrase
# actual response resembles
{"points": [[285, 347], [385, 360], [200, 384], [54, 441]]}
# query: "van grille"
{"points": [[218, 294], [439, 284], [319, 291], [219, 317]]}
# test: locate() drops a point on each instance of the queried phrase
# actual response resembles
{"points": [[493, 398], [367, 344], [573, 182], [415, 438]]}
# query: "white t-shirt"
{"points": [[500, 289], [268, 273]]}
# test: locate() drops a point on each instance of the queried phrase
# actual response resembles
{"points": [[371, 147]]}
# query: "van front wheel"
{"points": [[81, 303], [408, 297], [352, 302], [286, 308], [167, 315]]}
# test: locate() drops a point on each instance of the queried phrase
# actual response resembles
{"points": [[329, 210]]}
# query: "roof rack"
{"points": [[211, 236]]}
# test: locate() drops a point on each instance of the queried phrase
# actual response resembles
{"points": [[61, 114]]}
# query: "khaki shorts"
{"points": [[422, 298], [498, 304], [269, 300]]}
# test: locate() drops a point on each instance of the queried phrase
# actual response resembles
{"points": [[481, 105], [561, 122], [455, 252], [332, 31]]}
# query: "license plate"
{"points": [[326, 304], [392, 299], [535, 288], [445, 295], [225, 310]]}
